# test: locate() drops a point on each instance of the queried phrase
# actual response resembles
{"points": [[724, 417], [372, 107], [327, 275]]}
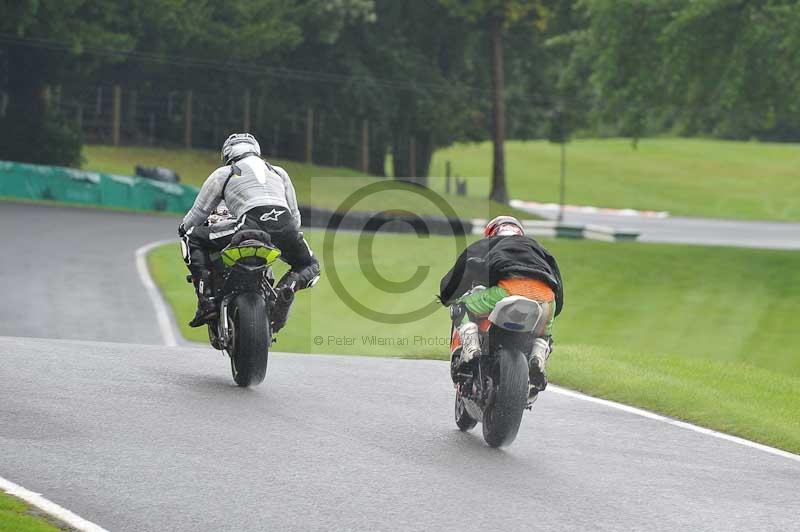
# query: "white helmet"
{"points": [[503, 226], [239, 144]]}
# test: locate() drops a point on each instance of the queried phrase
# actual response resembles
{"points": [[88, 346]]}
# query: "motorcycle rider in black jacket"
{"points": [[508, 263]]}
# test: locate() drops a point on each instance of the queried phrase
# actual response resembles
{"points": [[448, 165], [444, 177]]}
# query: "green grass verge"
{"points": [[16, 516], [319, 186], [702, 334], [693, 177], [734, 398]]}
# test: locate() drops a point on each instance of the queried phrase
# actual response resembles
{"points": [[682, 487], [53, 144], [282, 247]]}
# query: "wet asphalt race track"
{"points": [[700, 231], [71, 273], [144, 437]]}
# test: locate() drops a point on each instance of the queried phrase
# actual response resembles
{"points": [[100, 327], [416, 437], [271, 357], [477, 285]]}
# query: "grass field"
{"points": [[15, 516], [693, 177], [707, 335], [320, 186]]}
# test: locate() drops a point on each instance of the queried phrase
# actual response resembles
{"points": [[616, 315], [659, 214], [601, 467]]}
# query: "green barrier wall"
{"points": [[53, 183]]}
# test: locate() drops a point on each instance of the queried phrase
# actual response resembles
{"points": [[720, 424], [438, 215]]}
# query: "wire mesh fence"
{"points": [[137, 115]]}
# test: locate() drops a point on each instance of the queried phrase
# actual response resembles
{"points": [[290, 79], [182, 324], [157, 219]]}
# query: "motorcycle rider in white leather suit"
{"points": [[258, 196]]}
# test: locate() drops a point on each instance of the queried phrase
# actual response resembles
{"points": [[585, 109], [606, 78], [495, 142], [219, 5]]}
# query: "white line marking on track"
{"points": [[162, 311], [49, 507], [168, 333], [674, 422]]}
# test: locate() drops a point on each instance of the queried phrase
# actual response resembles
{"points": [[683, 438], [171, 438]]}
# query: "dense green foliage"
{"points": [[716, 67], [419, 75], [667, 324]]}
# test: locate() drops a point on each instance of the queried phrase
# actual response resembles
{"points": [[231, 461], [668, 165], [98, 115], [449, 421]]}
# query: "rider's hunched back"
{"points": [[244, 184]]}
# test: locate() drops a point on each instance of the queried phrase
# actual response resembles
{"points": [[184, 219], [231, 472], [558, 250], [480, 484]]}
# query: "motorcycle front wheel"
{"points": [[250, 339], [502, 418]]}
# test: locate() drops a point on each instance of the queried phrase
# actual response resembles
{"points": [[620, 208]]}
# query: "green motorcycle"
{"points": [[243, 287]]}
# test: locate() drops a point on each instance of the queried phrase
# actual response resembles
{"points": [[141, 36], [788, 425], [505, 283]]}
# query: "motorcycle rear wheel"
{"points": [[502, 418], [250, 339]]}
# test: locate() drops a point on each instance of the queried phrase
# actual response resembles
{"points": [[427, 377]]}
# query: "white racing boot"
{"points": [[537, 367], [470, 342]]}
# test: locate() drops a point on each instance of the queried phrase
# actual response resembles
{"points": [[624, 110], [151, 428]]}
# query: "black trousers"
{"points": [[276, 221]]}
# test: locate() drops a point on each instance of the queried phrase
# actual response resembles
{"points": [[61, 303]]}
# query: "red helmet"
{"points": [[503, 226]]}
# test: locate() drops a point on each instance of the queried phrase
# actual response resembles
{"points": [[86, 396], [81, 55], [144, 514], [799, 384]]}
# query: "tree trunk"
{"points": [[377, 155], [26, 105], [423, 158], [499, 192], [400, 156]]}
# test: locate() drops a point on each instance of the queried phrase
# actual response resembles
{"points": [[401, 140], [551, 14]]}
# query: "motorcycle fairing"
{"points": [[232, 255], [517, 314]]}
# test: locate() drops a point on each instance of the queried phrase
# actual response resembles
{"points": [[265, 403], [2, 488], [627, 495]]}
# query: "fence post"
{"points": [[275, 132], [115, 120], [412, 158], [260, 109], [57, 97], [447, 177], [246, 106], [365, 146], [130, 118], [98, 104], [151, 128], [309, 134], [336, 151], [217, 130], [187, 130]]}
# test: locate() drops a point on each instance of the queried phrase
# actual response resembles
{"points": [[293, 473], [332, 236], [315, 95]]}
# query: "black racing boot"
{"points": [[206, 306], [279, 314]]}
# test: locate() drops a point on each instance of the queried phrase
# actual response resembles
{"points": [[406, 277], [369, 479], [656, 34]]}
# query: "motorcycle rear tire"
{"points": [[502, 418], [251, 339]]}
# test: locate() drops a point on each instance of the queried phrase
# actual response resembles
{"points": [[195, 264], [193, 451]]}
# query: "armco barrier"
{"points": [[33, 182], [53, 183], [368, 221]]}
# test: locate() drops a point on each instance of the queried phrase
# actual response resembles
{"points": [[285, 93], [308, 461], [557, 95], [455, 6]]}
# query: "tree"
{"points": [[497, 16], [32, 131], [404, 75], [161, 44], [727, 68], [737, 64]]}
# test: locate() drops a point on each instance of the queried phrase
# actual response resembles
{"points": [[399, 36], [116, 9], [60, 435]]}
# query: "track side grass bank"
{"points": [[702, 334], [16, 516], [319, 186], [689, 177]]}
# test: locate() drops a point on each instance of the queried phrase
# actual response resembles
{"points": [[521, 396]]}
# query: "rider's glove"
{"points": [[181, 231], [457, 311], [285, 293]]}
